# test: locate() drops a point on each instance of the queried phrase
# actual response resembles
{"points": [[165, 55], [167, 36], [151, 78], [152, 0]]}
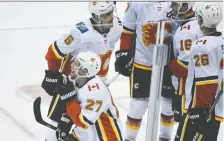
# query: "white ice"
{"points": [[26, 31]]}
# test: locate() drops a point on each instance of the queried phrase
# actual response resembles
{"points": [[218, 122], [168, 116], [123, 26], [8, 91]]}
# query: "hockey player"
{"points": [[187, 32], [90, 112], [204, 74], [138, 20], [98, 34]]}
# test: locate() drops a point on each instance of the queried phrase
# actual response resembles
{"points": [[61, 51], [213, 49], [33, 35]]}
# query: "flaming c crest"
{"points": [[149, 34], [149, 31]]}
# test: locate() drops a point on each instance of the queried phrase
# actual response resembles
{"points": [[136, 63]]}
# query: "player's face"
{"points": [[77, 70], [74, 67], [107, 19], [177, 10]]}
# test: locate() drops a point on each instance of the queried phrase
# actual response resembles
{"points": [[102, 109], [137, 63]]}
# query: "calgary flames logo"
{"points": [[149, 34], [149, 31]]}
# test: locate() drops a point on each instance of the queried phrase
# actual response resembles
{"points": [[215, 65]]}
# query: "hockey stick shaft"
{"points": [[63, 64], [216, 101], [37, 114]]}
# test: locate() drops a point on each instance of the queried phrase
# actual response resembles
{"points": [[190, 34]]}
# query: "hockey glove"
{"points": [[65, 127], [66, 89], [124, 61], [198, 119], [50, 81]]}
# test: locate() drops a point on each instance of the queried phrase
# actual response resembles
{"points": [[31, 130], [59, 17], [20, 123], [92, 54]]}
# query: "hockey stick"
{"points": [[214, 104], [37, 102], [112, 80], [197, 135], [37, 114]]}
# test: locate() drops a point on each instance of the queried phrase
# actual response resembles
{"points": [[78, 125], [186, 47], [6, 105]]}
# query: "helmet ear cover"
{"points": [[200, 20]]}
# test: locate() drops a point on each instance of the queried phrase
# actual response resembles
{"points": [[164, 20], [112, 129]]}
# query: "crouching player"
{"points": [[90, 112]]}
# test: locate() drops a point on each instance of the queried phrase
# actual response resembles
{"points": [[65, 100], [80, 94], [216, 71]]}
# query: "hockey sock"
{"points": [[132, 127], [166, 126]]}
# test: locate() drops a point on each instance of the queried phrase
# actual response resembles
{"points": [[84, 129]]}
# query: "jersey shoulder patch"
{"points": [[82, 27]]}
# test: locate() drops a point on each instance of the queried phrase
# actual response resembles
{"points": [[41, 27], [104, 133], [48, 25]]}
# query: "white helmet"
{"points": [[210, 14], [99, 8], [90, 61]]}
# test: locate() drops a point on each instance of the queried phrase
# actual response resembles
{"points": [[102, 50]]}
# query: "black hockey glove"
{"points": [[124, 61], [50, 81], [66, 89], [198, 119], [65, 127]]}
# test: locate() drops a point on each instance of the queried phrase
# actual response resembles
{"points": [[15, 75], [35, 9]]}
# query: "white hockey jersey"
{"points": [[205, 72], [139, 18], [84, 37], [98, 117]]}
